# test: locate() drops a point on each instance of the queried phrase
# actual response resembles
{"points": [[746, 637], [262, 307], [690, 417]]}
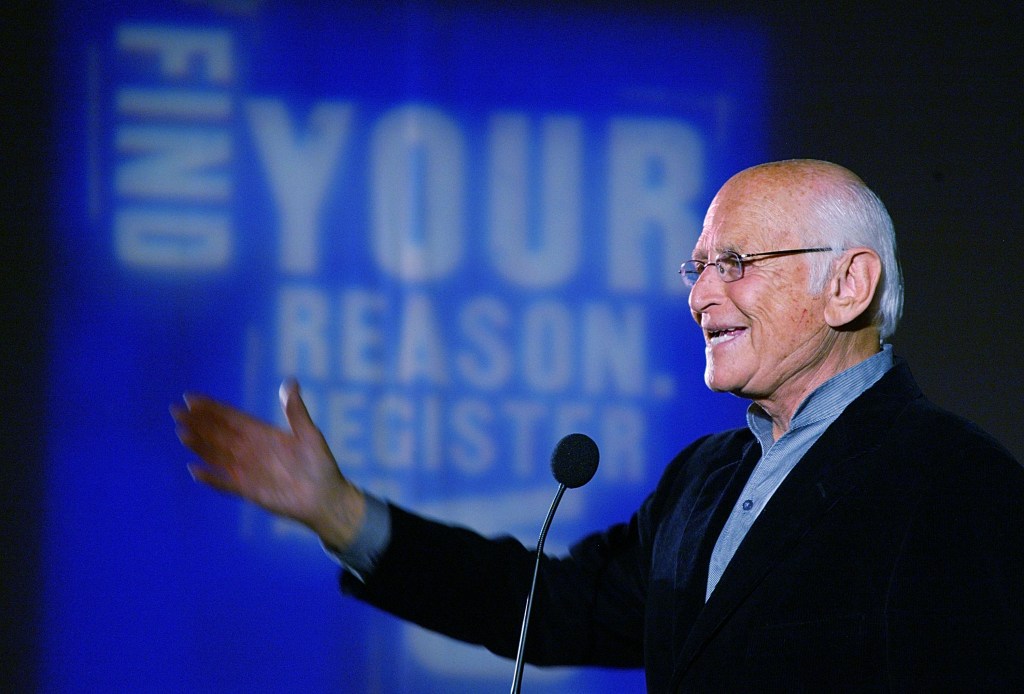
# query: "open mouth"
{"points": [[719, 336]]}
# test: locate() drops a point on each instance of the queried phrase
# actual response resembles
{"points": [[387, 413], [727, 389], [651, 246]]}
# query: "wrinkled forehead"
{"points": [[768, 207], [748, 221]]}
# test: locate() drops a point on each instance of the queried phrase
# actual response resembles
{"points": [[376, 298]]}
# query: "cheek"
{"points": [[784, 319], [799, 322]]}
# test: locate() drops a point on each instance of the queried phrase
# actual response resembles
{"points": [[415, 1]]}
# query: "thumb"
{"points": [[295, 410]]}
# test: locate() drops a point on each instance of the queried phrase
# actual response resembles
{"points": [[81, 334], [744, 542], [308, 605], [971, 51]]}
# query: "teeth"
{"points": [[717, 336]]}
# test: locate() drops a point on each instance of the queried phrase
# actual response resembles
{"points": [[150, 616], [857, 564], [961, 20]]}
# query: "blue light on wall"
{"points": [[459, 228]]}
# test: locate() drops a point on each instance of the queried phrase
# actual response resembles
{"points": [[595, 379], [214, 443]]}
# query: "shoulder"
{"points": [[961, 460], [934, 457], [931, 422], [927, 431], [895, 416]]}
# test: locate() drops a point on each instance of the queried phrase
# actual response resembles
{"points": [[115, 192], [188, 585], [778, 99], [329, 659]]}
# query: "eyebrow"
{"points": [[702, 255]]}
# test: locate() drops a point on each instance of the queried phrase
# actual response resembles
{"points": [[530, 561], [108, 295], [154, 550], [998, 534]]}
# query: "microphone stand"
{"points": [[517, 680]]}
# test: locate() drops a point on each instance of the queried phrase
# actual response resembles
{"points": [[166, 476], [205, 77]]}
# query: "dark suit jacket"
{"points": [[890, 559]]}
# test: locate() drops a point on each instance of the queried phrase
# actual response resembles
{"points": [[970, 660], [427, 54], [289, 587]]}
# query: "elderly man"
{"points": [[853, 536]]}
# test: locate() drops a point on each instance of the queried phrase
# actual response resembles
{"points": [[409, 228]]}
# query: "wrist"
{"points": [[341, 516]]}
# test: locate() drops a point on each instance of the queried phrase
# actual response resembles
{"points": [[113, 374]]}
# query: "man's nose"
{"points": [[707, 290]]}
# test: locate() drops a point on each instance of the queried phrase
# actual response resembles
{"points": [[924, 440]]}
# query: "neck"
{"points": [[781, 405]]}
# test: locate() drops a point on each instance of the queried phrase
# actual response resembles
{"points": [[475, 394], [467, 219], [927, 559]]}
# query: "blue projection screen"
{"points": [[459, 228]]}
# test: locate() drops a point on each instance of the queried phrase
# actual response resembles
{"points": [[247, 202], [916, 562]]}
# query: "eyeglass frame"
{"points": [[699, 266]]}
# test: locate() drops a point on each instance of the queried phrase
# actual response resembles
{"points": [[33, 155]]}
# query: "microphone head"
{"points": [[574, 460]]}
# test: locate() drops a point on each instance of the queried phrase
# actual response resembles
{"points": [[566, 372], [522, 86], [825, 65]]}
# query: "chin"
{"points": [[712, 382], [720, 382]]}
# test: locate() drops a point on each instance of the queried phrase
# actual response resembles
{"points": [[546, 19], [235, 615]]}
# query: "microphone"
{"points": [[574, 460], [573, 463]]}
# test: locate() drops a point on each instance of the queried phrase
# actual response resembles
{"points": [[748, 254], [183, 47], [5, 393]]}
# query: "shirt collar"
{"points": [[827, 401]]}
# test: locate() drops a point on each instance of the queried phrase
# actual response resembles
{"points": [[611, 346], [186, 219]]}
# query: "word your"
{"points": [[523, 186]]}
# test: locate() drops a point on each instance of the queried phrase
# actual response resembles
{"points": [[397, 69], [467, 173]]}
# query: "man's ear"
{"points": [[852, 287]]}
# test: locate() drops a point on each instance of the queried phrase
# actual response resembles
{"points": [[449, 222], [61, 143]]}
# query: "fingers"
{"points": [[184, 425], [295, 410], [218, 434], [198, 426], [210, 478]]}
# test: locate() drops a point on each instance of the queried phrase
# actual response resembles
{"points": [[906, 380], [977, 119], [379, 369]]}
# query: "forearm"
{"points": [[449, 580], [453, 581]]}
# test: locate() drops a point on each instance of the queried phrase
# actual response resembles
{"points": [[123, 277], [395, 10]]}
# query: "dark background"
{"points": [[927, 105]]}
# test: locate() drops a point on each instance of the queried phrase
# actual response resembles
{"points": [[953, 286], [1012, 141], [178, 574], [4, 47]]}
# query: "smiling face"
{"points": [[766, 337]]}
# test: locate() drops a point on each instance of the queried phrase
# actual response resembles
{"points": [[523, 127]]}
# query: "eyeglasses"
{"points": [[730, 264]]}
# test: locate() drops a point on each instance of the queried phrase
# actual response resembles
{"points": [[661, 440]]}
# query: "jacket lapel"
{"points": [[703, 526]]}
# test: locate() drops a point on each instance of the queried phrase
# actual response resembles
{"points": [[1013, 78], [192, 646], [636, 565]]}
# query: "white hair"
{"points": [[851, 215]]}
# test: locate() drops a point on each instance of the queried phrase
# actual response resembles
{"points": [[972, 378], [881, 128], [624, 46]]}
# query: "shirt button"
{"points": [[747, 505]]}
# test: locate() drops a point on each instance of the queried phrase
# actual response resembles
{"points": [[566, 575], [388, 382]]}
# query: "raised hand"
{"points": [[290, 473]]}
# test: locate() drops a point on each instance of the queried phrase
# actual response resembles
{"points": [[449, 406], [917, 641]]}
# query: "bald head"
{"points": [[796, 172], [788, 196]]}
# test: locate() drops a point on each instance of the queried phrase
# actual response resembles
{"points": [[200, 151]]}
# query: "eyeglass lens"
{"points": [[729, 266]]}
